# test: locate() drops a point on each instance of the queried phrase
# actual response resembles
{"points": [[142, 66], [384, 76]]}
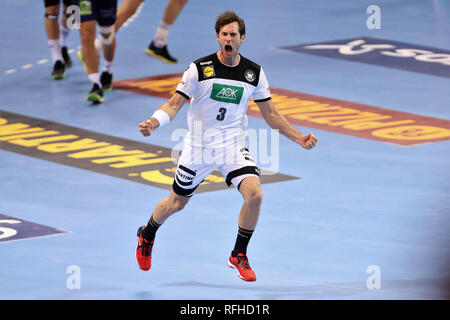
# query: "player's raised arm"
{"points": [[163, 115], [277, 121]]}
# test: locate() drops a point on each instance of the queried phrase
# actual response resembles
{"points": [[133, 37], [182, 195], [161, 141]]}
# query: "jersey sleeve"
{"points": [[189, 82], [262, 91]]}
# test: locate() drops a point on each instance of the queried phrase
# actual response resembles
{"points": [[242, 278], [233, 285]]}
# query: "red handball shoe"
{"points": [[240, 263], [143, 251]]}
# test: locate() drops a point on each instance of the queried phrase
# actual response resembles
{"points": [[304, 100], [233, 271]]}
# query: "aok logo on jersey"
{"points": [[386, 53], [344, 117], [226, 93]]}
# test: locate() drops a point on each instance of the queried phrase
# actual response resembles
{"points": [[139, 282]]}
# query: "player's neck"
{"points": [[229, 62]]}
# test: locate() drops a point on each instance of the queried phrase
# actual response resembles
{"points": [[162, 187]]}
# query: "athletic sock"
{"points": [[107, 66], [242, 240], [55, 49], [162, 32], [95, 78], [149, 232], [63, 34]]}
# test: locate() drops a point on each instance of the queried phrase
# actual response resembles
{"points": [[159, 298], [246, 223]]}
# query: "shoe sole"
{"points": [[232, 266], [151, 53], [59, 77], [95, 98], [107, 89]]}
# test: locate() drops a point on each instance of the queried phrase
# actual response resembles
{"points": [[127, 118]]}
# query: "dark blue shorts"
{"points": [[49, 3], [103, 11]]}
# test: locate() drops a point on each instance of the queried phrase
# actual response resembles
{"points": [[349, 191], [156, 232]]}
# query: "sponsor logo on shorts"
{"points": [[117, 157], [17, 229], [381, 52], [226, 93], [85, 7], [344, 117], [184, 176]]}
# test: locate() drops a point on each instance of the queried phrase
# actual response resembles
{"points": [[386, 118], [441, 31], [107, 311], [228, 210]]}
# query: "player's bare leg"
{"points": [[158, 46], [165, 208], [63, 34], [146, 234], [172, 10], [90, 57], [50, 23], [252, 194], [248, 218], [52, 31], [109, 46], [126, 9], [87, 33]]}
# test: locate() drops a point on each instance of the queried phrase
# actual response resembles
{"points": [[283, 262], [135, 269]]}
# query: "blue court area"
{"points": [[361, 219]]}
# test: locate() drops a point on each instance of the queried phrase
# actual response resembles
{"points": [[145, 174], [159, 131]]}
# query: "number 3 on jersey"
{"points": [[221, 114]]}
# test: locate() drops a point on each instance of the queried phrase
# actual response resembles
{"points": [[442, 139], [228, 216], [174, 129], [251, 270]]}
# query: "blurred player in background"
{"points": [[158, 46], [57, 35], [102, 13]]}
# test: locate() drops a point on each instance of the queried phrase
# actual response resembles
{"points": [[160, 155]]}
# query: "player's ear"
{"points": [[243, 38], [217, 36]]}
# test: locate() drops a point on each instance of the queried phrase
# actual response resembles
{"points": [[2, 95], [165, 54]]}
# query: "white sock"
{"points": [[162, 32], [63, 33], [98, 44], [55, 49], [95, 78], [107, 66]]}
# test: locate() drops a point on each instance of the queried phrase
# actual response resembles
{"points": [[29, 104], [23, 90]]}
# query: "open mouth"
{"points": [[228, 48]]}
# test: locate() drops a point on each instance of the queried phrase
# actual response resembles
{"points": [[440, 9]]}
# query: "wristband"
{"points": [[162, 117]]}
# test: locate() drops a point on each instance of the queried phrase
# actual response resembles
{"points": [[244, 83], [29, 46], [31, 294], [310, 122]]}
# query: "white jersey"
{"points": [[219, 97]]}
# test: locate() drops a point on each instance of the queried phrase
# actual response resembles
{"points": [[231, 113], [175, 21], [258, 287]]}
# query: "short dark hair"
{"points": [[229, 17]]}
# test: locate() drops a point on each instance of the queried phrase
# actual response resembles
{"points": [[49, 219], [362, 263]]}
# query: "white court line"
{"points": [[39, 62]]}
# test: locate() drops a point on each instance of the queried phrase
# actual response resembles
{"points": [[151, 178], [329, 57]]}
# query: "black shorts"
{"points": [[102, 11], [49, 3]]}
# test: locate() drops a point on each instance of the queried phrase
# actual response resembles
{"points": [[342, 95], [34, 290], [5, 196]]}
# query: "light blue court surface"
{"points": [[358, 202]]}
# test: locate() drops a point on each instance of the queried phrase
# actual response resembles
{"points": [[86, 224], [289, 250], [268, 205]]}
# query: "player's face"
{"points": [[230, 40]]}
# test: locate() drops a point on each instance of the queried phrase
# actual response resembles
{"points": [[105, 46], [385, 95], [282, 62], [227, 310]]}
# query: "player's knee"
{"points": [[52, 12], [165, 207], [254, 199], [172, 205], [107, 34], [177, 205]]}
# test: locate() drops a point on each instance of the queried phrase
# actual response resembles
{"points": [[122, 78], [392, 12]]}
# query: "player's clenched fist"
{"points": [[146, 127], [308, 141]]}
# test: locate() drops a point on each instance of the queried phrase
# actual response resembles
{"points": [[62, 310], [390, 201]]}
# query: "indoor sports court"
{"points": [[363, 215]]}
